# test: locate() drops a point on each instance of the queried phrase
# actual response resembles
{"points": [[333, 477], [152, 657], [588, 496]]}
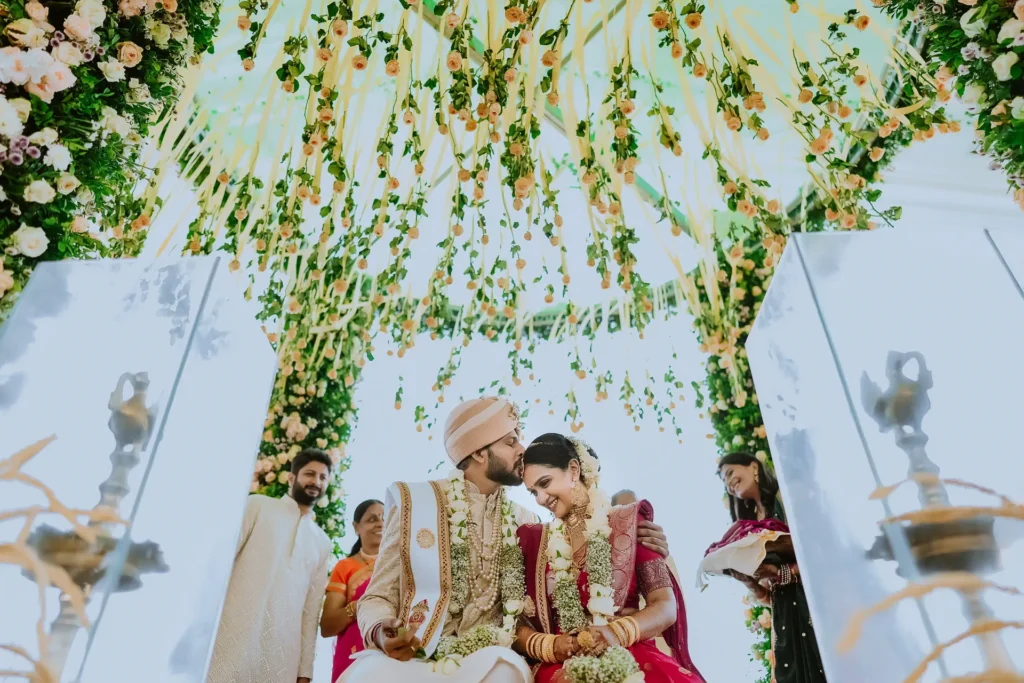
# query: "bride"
{"points": [[586, 575]]}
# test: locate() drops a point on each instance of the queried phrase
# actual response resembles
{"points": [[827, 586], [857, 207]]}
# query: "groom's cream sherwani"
{"points": [[394, 585]]}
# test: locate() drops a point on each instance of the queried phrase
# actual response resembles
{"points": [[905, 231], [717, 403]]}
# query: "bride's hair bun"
{"points": [[558, 450]]}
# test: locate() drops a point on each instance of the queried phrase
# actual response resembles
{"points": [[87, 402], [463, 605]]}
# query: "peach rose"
{"points": [[452, 20], [730, 188], [359, 62], [324, 54], [677, 50], [699, 70], [876, 153], [129, 54], [454, 61], [862, 22], [244, 22], [693, 20], [819, 146], [513, 15], [660, 20], [774, 206], [1018, 10], [169, 5], [339, 28], [248, 64], [391, 68]]}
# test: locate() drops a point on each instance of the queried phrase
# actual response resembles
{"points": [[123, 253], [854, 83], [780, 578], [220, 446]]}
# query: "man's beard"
{"points": [[500, 473], [301, 497]]}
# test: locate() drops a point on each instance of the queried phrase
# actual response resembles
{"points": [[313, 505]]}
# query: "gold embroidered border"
{"points": [[541, 582], [445, 555], [405, 529]]}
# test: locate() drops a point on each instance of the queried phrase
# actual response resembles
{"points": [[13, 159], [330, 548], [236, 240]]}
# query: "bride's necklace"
{"points": [[367, 558]]}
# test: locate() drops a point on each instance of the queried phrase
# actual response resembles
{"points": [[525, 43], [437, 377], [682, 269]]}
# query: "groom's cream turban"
{"points": [[476, 424]]}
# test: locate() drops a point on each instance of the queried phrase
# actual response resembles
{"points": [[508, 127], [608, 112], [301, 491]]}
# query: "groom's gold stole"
{"points": [[425, 548]]}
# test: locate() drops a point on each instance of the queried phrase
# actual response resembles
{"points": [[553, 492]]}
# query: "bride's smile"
{"points": [[551, 487]]}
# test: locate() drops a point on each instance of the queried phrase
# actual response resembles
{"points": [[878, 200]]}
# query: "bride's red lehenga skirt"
{"points": [[656, 665]]}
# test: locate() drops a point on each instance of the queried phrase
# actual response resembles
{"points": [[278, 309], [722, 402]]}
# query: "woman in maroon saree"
{"points": [[555, 476]]}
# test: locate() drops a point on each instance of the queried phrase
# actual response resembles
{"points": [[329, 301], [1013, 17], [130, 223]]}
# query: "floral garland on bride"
{"points": [[616, 665], [511, 574]]}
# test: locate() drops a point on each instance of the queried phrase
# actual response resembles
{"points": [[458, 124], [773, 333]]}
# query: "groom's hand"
{"points": [[653, 537], [396, 642]]}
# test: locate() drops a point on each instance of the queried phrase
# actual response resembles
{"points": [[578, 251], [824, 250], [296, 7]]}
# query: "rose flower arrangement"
{"points": [[81, 83]]}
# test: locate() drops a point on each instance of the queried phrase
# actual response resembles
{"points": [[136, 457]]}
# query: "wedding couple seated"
{"points": [[469, 587]]}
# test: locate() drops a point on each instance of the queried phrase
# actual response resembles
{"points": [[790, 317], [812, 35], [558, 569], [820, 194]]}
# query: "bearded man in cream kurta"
{"points": [[411, 602]]}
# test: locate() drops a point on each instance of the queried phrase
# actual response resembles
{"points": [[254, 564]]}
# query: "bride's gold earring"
{"points": [[757, 477], [579, 495]]}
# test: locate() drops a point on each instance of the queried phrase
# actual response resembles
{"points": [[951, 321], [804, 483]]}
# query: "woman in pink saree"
{"points": [[348, 582], [561, 473]]}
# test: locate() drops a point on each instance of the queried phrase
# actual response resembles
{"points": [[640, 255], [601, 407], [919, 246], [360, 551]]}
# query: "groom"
{"points": [[408, 606]]}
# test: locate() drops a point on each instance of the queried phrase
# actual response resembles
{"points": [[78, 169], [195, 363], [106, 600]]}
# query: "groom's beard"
{"points": [[500, 473]]}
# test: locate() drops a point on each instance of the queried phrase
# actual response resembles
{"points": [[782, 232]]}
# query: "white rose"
{"points": [[513, 606], [972, 28], [112, 69], [459, 505], [1003, 64], [974, 95], [602, 605], [46, 136], [10, 123], [1010, 30], [1017, 107], [161, 33], [40, 192], [22, 106], [31, 242], [457, 518], [115, 123], [92, 11], [3, 195], [58, 157], [322, 503], [69, 53]]}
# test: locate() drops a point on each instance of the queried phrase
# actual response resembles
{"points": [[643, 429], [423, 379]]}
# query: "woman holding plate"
{"points": [[585, 571], [760, 525]]}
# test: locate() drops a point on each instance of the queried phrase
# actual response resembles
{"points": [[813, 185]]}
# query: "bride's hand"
{"points": [[565, 648], [603, 638]]}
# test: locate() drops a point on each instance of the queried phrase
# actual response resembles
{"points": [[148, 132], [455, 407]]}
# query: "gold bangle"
{"points": [[634, 631], [531, 646], [548, 650]]}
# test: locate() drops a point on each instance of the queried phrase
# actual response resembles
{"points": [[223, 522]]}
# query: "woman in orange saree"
{"points": [[348, 582]]}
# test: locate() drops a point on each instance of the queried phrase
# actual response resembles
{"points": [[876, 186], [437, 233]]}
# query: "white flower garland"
{"points": [[568, 606], [512, 575]]}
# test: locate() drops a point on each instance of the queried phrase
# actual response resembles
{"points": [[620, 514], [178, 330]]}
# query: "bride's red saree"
{"points": [[636, 571]]}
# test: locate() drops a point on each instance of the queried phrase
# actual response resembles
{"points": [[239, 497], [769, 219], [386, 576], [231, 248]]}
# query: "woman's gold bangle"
{"points": [[532, 651], [548, 650]]}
